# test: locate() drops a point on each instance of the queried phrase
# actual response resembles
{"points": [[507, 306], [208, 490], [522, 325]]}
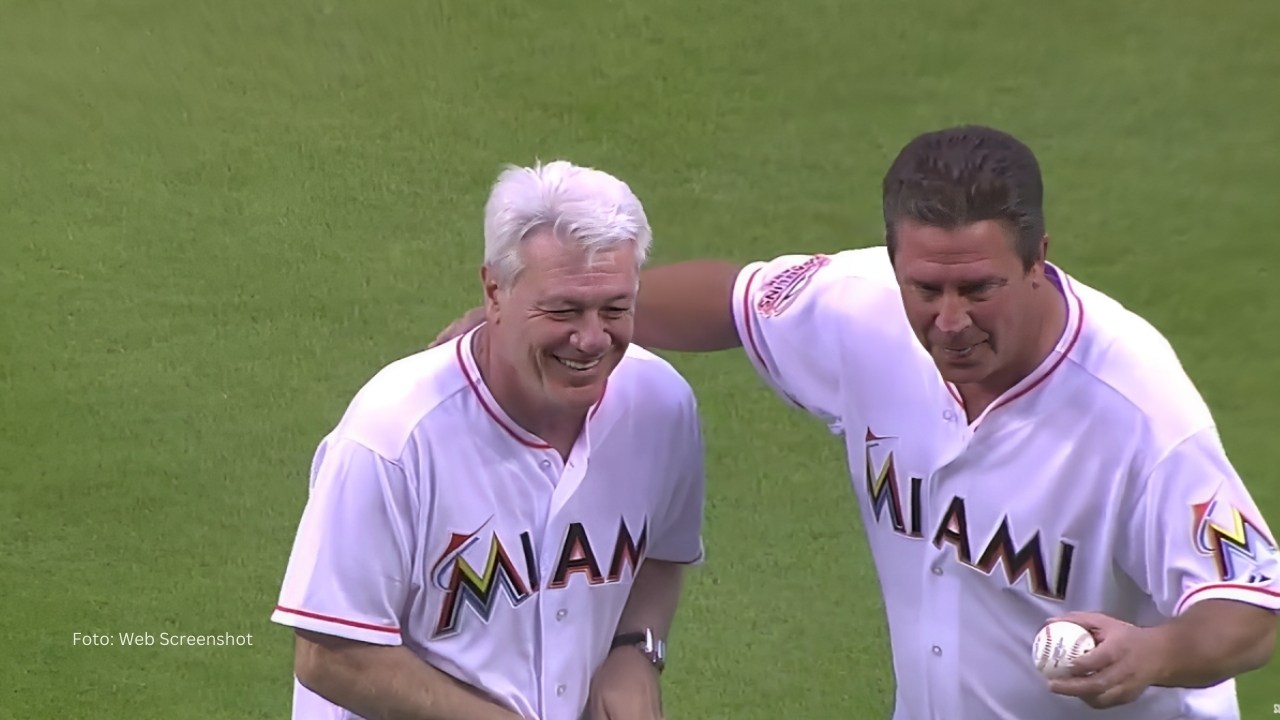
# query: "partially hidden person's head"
{"points": [[563, 248], [965, 230]]}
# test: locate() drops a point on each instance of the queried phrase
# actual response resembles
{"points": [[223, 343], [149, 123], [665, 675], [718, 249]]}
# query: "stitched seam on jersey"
{"points": [[436, 406], [412, 488], [1066, 354], [1211, 425], [747, 323], [753, 350]]}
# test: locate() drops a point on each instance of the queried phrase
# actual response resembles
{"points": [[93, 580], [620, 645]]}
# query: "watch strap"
{"points": [[631, 638]]}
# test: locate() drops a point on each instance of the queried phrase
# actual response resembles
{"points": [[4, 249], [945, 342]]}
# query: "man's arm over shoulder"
{"points": [[345, 588], [685, 306]]}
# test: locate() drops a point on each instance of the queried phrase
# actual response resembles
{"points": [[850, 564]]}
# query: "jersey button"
{"points": [[545, 464], [937, 650], [937, 571], [948, 415], [560, 690], [560, 614]]}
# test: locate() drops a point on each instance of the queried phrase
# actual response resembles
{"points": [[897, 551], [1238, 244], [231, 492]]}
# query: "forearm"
{"points": [[387, 683], [653, 599], [687, 307], [1216, 640]]}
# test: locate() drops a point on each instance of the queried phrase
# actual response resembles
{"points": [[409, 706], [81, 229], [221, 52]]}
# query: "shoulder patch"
{"points": [[779, 291], [1239, 544]]}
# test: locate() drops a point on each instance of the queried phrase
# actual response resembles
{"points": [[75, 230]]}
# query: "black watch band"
{"points": [[631, 638], [645, 641]]}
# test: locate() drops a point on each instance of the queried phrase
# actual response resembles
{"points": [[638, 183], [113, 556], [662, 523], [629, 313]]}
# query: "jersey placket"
{"points": [[555, 616], [942, 586]]}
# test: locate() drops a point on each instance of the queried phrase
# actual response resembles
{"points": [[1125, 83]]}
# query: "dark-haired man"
{"points": [[1023, 448]]}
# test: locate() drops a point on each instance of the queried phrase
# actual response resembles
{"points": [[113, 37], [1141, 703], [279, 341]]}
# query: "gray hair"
{"points": [[589, 207]]}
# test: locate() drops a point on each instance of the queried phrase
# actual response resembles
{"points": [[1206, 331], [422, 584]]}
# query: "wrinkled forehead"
{"points": [[957, 272], [965, 254], [582, 277]]}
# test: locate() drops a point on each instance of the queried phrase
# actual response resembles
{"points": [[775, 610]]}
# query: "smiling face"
{"points": [[564, 324], [971, 301]]}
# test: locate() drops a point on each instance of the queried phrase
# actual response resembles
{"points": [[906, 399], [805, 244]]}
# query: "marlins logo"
{"points": [[1240, 546], [465, 587], [781, 289]]}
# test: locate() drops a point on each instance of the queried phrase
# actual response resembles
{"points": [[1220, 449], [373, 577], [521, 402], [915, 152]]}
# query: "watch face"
{"points": [[658, 654]]}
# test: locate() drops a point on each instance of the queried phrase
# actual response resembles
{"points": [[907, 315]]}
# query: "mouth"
{"points": [[578, 365], [962, 351]]}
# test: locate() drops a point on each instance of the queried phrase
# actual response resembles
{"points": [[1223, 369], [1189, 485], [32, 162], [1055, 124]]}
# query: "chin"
{"points": [[962, 375], [580, 397]]}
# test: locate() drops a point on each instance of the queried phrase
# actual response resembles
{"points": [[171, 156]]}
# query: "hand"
{"points": [[625, 688], [1126, 661], [469, 320]]}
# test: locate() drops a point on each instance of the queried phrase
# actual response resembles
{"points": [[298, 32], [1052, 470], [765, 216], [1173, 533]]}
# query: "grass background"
{"points": [[219, 218]]}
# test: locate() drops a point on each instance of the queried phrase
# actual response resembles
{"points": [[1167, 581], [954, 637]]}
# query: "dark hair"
{"points": [[957, 176]]}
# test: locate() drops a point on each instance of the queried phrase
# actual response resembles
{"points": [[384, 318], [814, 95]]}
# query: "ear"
{"points": [[1041, 256], [493, 294]]}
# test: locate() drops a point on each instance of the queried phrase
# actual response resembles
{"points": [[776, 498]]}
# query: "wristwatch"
{"points": [[652, 646]]}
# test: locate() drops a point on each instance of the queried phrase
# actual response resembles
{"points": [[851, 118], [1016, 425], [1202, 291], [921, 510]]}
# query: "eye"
{"points": [[981, 292], [615, 313], [565, 314], [928, 292]]}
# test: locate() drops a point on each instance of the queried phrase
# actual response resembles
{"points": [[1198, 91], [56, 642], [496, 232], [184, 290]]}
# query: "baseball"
{"points": [[1057, 646]]}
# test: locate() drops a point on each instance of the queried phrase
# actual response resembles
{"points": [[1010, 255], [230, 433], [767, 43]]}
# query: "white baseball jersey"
{"points": [[1098, 483], [437, 523]]}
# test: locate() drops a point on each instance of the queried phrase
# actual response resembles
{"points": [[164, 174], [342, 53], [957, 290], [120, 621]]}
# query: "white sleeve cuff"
{"points": [[691, 559], [340, 627], [1264, 597]]}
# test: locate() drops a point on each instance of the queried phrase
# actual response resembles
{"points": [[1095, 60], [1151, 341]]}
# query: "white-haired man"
{"points": [[499, 522]]}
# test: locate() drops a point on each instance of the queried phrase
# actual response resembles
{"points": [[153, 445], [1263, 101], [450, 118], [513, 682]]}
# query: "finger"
{"points": [[1087, 686], [1091, 621], [444, 335], [1099, 658], [1112, 696], [1084, 681]]}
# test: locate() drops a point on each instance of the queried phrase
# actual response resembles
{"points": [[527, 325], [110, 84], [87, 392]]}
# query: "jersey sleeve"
{"points": [[1198, 534], [349, 570], [781, 308], [677, 537]]}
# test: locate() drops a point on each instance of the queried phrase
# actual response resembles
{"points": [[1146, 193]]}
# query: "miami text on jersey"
{"points": [[465, 587], [885, 495]]}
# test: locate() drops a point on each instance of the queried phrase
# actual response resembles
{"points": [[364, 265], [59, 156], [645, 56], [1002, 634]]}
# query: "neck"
{"points": [[1053, 322], [554, 426]]}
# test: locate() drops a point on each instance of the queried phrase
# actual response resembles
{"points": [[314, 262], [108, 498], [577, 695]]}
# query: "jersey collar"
{"points": [[471, 371], [1066, 343]]}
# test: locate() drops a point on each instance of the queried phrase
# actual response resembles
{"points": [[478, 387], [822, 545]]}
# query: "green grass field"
{"points": [[220, 218]]}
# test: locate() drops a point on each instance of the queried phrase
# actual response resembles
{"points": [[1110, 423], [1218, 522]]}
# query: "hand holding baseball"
{"points": [[1125, 661]]}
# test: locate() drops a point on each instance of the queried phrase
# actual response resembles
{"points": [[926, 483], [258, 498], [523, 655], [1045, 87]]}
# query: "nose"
{"points": [[590, 337], [953, 315]]}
